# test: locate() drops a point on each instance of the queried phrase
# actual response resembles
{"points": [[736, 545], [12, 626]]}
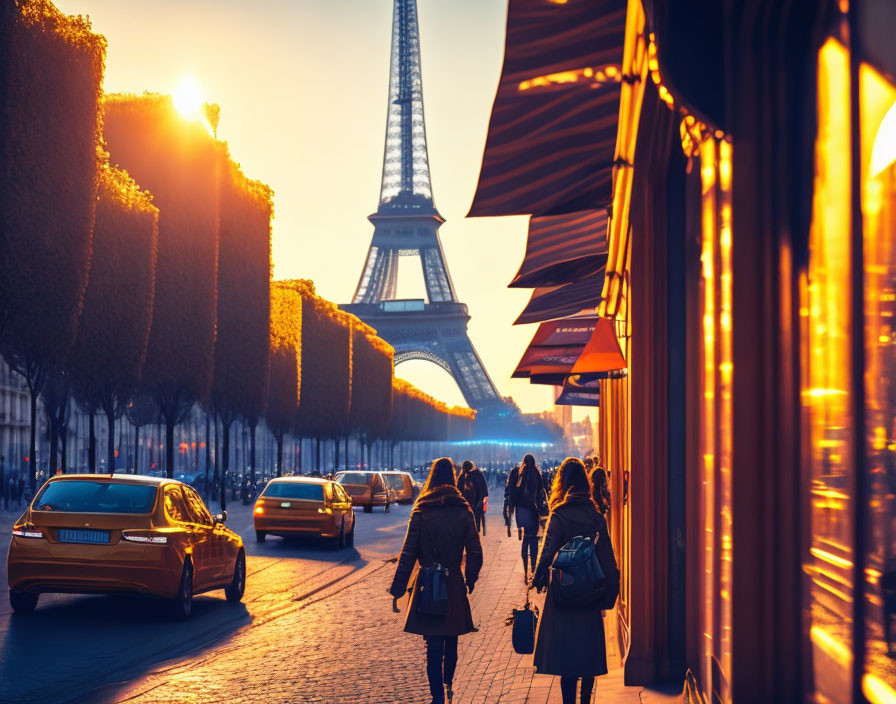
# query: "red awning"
{"points": [[552, 135], [602, 353], [555, 347], [563, 248], [561, 301]]}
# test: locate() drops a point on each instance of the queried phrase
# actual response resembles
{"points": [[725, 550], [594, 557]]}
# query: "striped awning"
{"points": [[563, 248], [555, 347], [552, 135], [561, 301]]}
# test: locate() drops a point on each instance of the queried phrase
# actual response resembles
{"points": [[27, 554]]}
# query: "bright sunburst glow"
{"points": [[188, 98]]}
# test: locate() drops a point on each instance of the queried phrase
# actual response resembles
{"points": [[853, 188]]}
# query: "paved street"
{"points": [[315, 627]]}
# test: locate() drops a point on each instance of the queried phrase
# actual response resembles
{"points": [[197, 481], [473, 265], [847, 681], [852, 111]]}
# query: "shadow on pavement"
{"points": [[72, 648]]}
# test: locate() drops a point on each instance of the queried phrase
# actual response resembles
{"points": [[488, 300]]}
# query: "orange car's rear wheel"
{"points": [[22, 602], [368, 508], [181, 605], [260, 535], [234, 592]]}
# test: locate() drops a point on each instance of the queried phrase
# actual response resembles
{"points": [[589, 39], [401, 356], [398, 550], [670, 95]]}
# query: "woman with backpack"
{"points": [[441, 529], [528, 501], [570, 639]]}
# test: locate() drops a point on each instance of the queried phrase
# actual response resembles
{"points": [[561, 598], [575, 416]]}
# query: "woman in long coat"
{"points": [[570, 640], [440, 530], [527, 500]]}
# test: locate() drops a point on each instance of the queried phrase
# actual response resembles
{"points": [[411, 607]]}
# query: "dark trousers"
{"points": [[568, 689], [530, 546], [479, 517], [441, 661]]}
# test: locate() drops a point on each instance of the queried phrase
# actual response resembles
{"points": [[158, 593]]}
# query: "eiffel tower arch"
{"points": [[406, 224]]}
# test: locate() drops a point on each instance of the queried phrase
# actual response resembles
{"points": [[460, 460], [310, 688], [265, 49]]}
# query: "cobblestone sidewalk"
{"points": [[488, 668]]}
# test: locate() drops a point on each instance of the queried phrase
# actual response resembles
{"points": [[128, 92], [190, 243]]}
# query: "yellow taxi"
{"points": [[367, 489], [404, 486], [95, 534], [305, 506]]}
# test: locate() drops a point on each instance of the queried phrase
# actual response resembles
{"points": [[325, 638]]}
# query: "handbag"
{"points": [[525, 623], [432, 584]]}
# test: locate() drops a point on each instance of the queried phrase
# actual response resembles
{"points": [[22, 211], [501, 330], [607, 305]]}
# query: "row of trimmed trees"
{"points": [[135, 269]]}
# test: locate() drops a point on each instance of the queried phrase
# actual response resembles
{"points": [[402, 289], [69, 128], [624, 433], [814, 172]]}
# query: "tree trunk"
{"points": [[32, 447], [225, 430], [317, 454], [136, 449], [91, 444], [217, 466], [279, 437], [110, 441], [336, 443], [53, 430], [63, 446], [253, 424], [208, 458], [169, 446]]}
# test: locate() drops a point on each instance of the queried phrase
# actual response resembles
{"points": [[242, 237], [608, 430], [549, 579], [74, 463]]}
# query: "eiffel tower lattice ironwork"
{"points": [[407, 223]]}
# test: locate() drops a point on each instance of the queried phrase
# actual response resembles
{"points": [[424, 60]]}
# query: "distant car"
{"points": [[95, 534], [404, 486], [305, 506], [367, 489]]}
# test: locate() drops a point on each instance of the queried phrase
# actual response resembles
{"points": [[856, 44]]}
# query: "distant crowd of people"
{"points": [[560, 514]]}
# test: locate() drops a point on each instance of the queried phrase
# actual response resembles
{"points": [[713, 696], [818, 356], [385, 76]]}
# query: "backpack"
{"points": [[576, 575]]}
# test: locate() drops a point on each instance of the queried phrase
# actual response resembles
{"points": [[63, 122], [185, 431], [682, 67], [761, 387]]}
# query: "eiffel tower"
{"points": [[406, 224]]}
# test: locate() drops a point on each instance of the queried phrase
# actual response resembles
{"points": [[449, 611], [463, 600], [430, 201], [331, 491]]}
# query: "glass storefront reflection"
{"points": [[826, 322], [878, 169]]}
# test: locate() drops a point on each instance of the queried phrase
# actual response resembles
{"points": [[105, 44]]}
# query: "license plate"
{"points": [[83, 535], [285, 504]]}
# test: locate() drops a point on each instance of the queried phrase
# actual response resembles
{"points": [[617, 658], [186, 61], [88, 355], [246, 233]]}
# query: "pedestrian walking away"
{"points": [[570, 638], [474, 488], [527, 499], [441, 530]]}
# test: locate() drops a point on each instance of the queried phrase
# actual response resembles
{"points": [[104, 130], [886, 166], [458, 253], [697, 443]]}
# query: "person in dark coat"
{"points": [[570, 640], [527, 499], [474, 488], [441, 529]]}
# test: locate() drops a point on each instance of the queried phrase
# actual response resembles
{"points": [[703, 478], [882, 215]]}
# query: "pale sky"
{"points": [[302, 86]]}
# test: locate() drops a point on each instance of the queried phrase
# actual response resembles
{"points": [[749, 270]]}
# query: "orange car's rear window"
{"points": [[77, 496], [294, 490]]}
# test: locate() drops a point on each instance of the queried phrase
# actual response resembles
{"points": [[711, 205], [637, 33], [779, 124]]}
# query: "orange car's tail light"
{"points": [[259, 509], [21, 532], [145, 538]]}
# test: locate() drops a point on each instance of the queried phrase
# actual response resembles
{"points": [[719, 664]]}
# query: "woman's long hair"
{"points": [[440, 474], [600, 489], [526, 469], [571, 480]]}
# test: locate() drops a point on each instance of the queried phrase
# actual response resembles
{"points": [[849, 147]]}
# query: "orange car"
{"points": [[402, 483], [305, 506], [367, 489], [94, 534]]}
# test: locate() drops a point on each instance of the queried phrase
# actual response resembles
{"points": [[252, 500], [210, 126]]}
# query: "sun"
{"points": [[188, 98]]}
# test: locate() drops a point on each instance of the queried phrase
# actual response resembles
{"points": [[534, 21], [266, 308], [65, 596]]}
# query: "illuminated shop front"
{"points": [[749, 273]]}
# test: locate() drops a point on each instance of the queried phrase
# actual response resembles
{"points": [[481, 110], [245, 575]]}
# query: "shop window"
{"points": [[878, 183], [826, 379]]}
